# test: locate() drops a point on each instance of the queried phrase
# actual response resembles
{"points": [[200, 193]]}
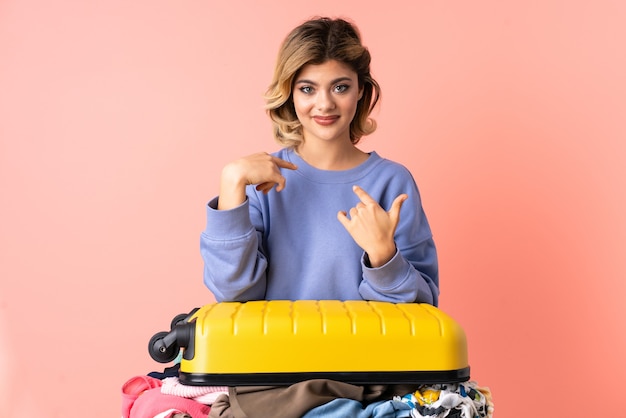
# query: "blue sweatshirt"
{"points": [[289, 245]]}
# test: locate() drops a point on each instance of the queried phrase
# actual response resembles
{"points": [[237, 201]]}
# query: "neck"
{"points": [[331, 156]]}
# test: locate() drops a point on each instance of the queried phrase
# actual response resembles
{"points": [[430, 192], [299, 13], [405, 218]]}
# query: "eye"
{"points": [[341, 88], [306, 89]]}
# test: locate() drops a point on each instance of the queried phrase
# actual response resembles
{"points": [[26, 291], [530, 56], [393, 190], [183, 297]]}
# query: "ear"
{"points": [[361, 93]]}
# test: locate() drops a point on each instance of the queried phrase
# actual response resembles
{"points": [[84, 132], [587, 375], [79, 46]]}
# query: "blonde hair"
{"points": [[315, 42]]}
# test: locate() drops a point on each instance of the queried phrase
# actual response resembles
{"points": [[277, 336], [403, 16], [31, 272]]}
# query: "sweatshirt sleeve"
{"points": [[401, 280], [234, 265]]}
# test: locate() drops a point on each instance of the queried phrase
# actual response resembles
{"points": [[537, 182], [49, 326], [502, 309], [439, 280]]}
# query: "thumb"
{"points": [[394, 211]]}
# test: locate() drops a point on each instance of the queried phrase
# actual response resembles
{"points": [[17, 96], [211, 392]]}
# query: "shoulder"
{"points": [[284, 154], [389, 178], [390, 168]]}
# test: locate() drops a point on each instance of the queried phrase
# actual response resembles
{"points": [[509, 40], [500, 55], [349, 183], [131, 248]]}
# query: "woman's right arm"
{"points": [[234, 261]]}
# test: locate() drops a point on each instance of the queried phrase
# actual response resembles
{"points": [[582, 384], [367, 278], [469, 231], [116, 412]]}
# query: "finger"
{"points": [[342, 216], [261, 188], [365, 198], [280, 185], [394, 211], [275, 180], [265, 187], [284, 164]]}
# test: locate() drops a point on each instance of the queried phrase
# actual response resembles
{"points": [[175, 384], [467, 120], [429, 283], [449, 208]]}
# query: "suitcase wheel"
{"points": [[161, 352]]}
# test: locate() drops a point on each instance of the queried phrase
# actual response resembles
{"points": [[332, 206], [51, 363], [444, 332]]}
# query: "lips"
{"points": [[325, 120]]}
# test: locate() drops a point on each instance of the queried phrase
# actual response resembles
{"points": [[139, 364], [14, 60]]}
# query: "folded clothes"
{"points": [[146, 396], [463, 400], [341, 408], [450, 400], [203, 394], [152, 402], [134, 387], [296, 400], [142, 397]]}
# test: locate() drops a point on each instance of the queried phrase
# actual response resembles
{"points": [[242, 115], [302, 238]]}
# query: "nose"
{"points": [[324, 101]]}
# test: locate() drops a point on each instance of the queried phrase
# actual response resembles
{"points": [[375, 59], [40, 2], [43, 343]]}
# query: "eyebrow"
{"points": [[335, 81]]}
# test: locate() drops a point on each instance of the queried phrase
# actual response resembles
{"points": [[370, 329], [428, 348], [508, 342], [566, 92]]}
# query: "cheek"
{"points": [[352, 105], [301, 106]]}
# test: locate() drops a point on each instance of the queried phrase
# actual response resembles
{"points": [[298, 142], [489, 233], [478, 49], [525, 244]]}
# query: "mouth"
{"points": [[325, 120]]}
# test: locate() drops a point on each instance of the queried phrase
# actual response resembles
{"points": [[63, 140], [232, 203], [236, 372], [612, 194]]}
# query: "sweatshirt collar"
{"points": [[332, 176]]}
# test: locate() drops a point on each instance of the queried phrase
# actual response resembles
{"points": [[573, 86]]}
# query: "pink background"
{"points": [[116, 118]]}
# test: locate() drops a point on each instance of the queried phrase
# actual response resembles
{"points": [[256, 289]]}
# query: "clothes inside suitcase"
{"points": [[285, 342]]}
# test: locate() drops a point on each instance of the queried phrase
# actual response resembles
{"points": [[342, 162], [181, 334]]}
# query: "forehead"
{"points": [[329, 70]]}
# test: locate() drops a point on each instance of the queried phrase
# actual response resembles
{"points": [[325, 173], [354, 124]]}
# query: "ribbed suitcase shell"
{"points": [[283, 342]]}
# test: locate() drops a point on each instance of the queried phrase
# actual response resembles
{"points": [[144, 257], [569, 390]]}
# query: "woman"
{"points": [[319, 219]]}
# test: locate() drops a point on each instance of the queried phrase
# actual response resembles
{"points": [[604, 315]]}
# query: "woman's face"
{"points": [[325, 98]]}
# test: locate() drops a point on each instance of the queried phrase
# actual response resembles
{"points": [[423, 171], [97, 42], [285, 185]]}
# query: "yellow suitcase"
{"points": [[284, 342]]}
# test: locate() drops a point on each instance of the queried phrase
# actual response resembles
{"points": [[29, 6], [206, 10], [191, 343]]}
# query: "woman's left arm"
{"points": [[400, 258]]}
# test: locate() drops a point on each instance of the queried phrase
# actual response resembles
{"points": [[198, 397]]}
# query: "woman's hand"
{"points": [[261, 169], [373, 228]]}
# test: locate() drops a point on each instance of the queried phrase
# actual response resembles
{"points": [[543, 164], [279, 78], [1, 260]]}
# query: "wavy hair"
{"points": [[315, 42]]}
